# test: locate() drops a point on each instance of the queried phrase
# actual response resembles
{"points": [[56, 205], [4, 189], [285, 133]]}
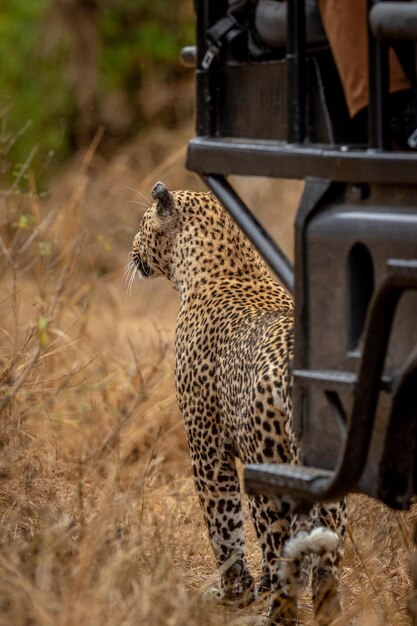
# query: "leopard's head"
{"points": [[188, 237], [154, 243]]}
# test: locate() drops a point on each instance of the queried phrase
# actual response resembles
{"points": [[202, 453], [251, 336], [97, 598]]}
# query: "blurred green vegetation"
{"points": [[68, 67]]}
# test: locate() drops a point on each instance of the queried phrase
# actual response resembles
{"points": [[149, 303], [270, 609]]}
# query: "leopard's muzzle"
{"points": [[142, 267]]}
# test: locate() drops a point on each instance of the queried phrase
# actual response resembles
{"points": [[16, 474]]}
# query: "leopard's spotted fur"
{"points": [[234, 343]]}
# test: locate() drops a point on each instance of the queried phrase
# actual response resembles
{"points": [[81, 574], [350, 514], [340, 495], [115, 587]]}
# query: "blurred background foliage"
{"points": [[70, 67]]}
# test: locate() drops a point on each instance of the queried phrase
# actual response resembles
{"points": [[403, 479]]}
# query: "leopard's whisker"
{"points": [[128, 282], [128, 266], [130, 274], [148, 203], [138, 202], [133, 275]]}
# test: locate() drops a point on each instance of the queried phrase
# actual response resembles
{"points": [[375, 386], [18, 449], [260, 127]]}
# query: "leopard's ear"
{"points": [[165, 202]]}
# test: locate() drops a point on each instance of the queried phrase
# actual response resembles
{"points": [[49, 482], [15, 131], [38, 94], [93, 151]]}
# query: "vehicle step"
{"points": [[284, 478], [334, 380]]}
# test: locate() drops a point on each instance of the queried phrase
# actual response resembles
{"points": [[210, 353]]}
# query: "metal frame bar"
{"points": [[247, 157], [207, 14], [401, 435], [378, 68], [296, 70], [394, 21]]}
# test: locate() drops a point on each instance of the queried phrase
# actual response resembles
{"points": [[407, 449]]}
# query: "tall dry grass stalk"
{"points": [[99, 520]]}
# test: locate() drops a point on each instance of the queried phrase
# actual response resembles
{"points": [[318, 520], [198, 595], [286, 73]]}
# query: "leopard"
{"points": [[234, 345]]}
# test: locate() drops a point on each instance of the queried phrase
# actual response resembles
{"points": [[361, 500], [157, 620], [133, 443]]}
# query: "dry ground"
{"points": [[99, 521]]}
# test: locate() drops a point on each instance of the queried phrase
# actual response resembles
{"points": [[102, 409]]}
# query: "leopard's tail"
{"points": [[297, 554]]}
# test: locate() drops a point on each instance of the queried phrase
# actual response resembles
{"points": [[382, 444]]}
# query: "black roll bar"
{"points": [[378, 68], [394, 21], [296, 70]]}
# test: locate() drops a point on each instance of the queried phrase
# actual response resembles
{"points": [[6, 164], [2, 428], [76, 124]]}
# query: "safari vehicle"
{"points": [[270, 103]]}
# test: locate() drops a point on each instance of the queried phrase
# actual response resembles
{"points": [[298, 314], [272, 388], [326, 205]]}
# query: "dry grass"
{"points": [[99, 521]]}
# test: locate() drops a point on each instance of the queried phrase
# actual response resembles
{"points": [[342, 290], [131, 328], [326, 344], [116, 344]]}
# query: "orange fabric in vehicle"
{"points": [[345, 24]]}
